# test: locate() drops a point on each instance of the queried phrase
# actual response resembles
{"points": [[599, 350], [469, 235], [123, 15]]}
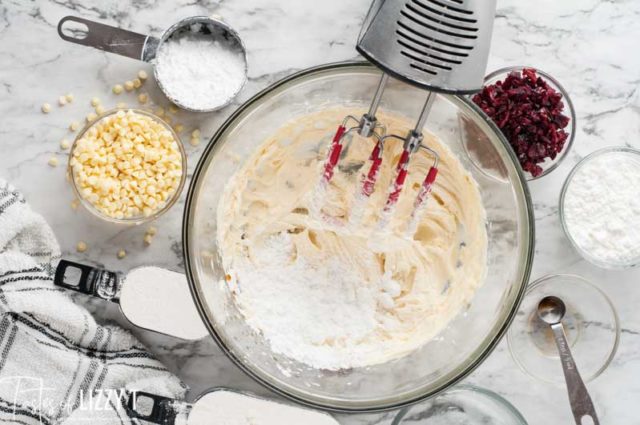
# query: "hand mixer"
{"points": [[438, 45]]}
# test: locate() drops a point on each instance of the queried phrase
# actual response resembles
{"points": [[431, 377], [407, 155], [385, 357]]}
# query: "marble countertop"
{"points": [[589, 45]]}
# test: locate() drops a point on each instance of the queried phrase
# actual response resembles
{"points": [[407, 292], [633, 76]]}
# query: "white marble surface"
{"points": [[589, 45]]}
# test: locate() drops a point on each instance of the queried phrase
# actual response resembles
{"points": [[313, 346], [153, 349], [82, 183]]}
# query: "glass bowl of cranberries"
{"points": [[535, 114]]}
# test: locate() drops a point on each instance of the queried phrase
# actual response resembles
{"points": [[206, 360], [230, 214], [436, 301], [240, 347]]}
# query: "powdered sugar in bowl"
{"points": [[600, 208]]}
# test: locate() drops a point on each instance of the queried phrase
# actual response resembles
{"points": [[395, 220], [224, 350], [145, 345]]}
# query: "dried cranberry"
{"points": [[529, 113]]}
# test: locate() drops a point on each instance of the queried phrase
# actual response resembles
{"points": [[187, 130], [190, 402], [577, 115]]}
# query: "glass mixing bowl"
{"points": [[463, 344]]}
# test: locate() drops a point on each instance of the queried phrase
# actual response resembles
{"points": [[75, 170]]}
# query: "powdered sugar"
{"points": [[602, 208], [222, 407], [198, 71], [159, 299], [286, 296]]}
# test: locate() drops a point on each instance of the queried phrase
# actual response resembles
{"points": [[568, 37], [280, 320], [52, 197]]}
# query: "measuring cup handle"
{"points": [[88, 280], [163, 411], [112, 39]]}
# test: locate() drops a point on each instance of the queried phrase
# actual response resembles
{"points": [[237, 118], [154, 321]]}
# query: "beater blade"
{"points": [[366, 127], [412, 142]]}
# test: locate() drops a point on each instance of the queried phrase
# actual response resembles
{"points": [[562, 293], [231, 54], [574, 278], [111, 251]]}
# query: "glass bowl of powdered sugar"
{"points": [[600, 207]]}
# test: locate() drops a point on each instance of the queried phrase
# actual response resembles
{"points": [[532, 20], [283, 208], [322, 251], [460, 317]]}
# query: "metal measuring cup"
{"points": [[145, 47], [157, 409]]}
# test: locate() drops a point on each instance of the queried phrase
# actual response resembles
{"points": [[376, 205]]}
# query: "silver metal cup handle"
{"points": [[111, 39]]}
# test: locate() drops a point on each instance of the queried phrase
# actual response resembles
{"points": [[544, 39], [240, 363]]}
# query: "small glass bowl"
{"points": [[549, 164], [617, 150], [141, 219], [462, 405], [591, 325]]}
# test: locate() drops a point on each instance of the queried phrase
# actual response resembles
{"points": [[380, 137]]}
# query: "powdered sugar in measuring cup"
{"points": [[201, 67], [200, 61]]}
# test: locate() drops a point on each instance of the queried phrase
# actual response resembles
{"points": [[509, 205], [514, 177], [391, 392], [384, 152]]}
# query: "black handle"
{"points": [[112, 39], [162, 410], [88, 280]]}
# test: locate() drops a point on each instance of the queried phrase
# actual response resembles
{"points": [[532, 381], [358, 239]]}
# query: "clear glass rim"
{"points": [[463, 388], [563, 192], [133, 220], [332, 404], [569, 108], [541, 281]]}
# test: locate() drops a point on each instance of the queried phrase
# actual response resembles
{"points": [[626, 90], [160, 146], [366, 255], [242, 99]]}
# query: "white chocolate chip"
{"points": [[53, 161], [64, 144], [142, 74], [152, 231], [128, 85], [62, 100], [121, 254], [74, 126], [95, 102], [127, 165], [91, 117], [81, 246], [143, 98], [99, 109], [195, 133], [148, 239], [46, 108], [195, 141], [137, 83], [69, 97], [173, 108], [117, 89], [179, 128]]}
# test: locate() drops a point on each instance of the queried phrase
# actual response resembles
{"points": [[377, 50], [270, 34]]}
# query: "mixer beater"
{"points": [[438, 45]]}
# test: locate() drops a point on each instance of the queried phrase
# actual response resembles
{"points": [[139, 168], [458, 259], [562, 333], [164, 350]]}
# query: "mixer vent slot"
{"points": [[438, 17], [420, 52], [436, 34], [413, 40], [425, 61], [418, 19], [446, 4]]}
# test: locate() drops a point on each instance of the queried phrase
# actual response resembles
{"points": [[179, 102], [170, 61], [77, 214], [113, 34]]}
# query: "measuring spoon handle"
{"points": [[581, 404], [110, 39]]}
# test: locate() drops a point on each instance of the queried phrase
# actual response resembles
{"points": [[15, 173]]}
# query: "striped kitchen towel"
{"points": [[57, 366]]}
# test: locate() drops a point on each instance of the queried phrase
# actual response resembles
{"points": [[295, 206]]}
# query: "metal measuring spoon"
{"points": [[551, 310], [145, 47]]}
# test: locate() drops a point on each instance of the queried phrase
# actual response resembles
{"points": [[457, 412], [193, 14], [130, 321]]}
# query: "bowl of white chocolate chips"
{"points": [[128, 166]]}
